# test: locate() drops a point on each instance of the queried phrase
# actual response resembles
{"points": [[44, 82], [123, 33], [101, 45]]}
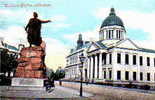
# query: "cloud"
{"points": [[16, 15], [59, 22], [133, 20], [61, 25], [59, 18], [14, 35]]}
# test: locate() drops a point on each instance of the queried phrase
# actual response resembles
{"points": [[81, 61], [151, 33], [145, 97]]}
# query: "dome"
{"points": [[112, 19]]}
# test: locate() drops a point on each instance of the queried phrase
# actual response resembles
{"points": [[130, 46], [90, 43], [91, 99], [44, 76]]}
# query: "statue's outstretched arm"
{"points": [[45, 21]]}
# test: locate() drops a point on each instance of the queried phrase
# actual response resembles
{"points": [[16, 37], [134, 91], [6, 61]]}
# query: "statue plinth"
{"points": [[31, 63]]}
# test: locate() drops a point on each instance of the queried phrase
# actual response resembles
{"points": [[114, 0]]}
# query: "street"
{"points": [[102, 92], [70, 91]]}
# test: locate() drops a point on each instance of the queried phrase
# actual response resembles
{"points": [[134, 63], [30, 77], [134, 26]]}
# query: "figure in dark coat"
{"points": [[33, 29]]}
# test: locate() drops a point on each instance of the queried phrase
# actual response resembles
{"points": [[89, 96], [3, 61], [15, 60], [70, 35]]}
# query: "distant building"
{"points": [[113, 58], [12, 51]]}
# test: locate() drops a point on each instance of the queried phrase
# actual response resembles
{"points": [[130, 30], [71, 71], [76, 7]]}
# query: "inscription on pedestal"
{"points": [[27, 82]]}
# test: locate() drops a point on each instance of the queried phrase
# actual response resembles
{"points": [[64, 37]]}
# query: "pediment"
{"points": [[93, 47], [127, 44]]}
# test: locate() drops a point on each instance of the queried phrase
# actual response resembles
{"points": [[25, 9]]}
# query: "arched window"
{"points": [[112, 33], [117, 34], [109, 34]]}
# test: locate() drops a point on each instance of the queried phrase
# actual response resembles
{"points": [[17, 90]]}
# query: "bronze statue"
{"points": [[33, 29]]}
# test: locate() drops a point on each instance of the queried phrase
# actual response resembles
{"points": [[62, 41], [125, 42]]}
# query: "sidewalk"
{"points": [[58, 92], [102, 92]]}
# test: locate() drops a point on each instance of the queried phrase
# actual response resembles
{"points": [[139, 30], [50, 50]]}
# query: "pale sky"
{"points": [[72, 17]]}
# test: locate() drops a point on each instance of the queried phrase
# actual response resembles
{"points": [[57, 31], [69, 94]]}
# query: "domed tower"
{"points": [[112, 28], [79, 42]]}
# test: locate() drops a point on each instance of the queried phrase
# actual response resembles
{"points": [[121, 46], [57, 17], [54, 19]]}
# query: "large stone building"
{"points": [[113, 58]]}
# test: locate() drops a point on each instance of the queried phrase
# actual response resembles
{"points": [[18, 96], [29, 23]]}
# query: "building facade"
{"points": [[113, 58], [12, 51]]}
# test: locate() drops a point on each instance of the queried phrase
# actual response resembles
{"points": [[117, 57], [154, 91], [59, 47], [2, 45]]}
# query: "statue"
{"points": [[33, 28], [31, 63]]}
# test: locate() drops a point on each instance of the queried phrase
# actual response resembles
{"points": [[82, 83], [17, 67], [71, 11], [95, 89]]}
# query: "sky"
{"points": [[73, 17]]}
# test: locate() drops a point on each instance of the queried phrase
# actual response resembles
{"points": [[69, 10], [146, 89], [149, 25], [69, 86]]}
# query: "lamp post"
{"points": [[82, 58]]}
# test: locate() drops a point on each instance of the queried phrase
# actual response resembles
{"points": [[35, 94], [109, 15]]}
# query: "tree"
{"points": [[59, 74], [4, 60], [50, 73], [8, 61]]}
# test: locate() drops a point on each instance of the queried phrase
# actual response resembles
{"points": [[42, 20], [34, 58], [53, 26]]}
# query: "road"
{"points": [[102, 92]]}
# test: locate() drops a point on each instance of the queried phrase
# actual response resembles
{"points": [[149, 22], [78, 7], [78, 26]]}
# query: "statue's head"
{"points": [[35, 15]]}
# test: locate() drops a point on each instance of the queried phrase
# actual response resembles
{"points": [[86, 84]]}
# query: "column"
{"points": [[95, 66], [100, 66], [105, 34], [114, 64], [122, 58], [91, 71], [138, 68], [107, 58], [88, 67], [114, 35], [130, 59]]}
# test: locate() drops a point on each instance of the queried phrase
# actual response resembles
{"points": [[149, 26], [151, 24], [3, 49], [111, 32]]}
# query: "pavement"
{"points": [[56, 93], [102, 92], [112, 87]]}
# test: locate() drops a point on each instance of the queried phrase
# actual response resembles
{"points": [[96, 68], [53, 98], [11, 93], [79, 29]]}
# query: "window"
{"points": [[148, 76], [126, 59], [110, 74], [141, 60], [148, 61], [110, 58], [134, 76], [104, 58], [126, 75], [117, 34], [141, 76], [112, 32], [94, 66], [134, 59], [118, 58], [86, 73], [118, 75], [109, 34], [104, 74]]}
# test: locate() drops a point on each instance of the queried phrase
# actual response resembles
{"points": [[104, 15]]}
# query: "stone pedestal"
{"points": [[29, 82], [31, 63]]}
